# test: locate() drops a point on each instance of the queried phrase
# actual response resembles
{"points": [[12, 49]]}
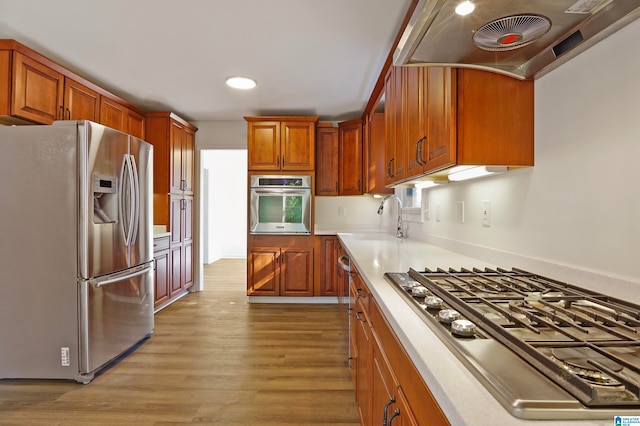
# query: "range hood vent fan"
{"points": [[511, 32], [524, 39]]}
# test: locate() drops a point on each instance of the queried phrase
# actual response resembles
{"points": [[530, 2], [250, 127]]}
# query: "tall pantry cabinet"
{"points": [[173, 139]]}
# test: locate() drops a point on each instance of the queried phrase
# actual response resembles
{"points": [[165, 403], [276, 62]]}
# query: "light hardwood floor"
{"points": [[213, 359]]}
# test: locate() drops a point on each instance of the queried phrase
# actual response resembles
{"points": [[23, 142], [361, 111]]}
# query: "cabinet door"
{"points": [[383, 386], [263, 271], [297, 145], [37, 90], [394, 156], [264, 145], [162, 263], [363, 364], [327, 263], [350, 177], [113, 114], [135, 124], [176, 219], [188, 161], [439, 149], [414, 114], [187, 242], [374, 169], [175, 284], [296, 272], [80, 102], [176, 151], [327, 161]]}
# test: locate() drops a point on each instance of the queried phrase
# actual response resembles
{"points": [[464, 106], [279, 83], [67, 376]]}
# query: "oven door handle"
{"points": [[283, 191]]}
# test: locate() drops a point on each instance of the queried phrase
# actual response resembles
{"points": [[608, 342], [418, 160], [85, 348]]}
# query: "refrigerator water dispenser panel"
{"points": [[105, 199]]}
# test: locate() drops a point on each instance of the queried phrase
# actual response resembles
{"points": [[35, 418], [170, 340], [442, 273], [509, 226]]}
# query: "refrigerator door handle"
{"points": [[114, 278], [122, 199], [136, 199], [128, 199]]}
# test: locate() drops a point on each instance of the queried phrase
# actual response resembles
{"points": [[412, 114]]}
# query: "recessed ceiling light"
{"points": [[465, 8], [241, 83]]}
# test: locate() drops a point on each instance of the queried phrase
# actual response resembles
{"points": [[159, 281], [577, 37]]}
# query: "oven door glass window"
{"points": [[280, 209]]}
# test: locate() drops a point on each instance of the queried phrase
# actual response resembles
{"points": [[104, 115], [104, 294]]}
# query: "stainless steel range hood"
{"points": [[524, 39]]}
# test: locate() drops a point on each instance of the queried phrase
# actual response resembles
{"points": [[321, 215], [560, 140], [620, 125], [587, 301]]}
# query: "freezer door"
{"points": [[141, 159], [102, 162], [116, 312]]}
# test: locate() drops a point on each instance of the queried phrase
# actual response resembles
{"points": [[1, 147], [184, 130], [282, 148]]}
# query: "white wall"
{"points": [[226, 211], [580, 205]]}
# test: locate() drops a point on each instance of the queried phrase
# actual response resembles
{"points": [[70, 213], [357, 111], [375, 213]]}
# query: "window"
{"points": [[411, 203]]}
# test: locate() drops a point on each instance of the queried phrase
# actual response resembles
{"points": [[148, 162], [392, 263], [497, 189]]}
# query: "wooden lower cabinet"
{"points": [[326, 266], [389, 389], [162, 269], [280, 271]]}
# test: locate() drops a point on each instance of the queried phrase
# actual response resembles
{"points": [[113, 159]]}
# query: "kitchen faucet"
{"points": [[399, 232]]}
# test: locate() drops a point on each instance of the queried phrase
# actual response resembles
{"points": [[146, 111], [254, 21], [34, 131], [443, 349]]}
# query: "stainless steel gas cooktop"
{"points": [[543, 348]]}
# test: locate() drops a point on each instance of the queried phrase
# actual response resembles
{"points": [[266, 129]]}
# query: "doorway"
{"points": [[224, 204]]}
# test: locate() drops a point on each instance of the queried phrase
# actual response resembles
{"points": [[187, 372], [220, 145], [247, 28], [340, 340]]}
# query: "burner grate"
{"points": [[535, 316]]}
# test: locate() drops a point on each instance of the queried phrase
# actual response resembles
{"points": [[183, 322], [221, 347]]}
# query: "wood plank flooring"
{"points": [[213, 359]]}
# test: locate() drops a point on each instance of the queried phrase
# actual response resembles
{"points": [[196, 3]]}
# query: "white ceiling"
{"points": [[309, 57]]}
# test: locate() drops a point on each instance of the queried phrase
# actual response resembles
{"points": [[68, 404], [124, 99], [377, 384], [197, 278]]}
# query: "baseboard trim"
{"points": [[300, 300]]}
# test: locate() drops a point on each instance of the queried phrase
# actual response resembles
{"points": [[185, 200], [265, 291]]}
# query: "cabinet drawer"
{"points": [[161, 243]]}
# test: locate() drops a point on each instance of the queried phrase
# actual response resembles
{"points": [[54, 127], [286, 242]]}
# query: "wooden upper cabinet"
{"points": [[298, 145], [438, 117], [374, 166], [350, 157], [326, 159], [135, 124], [80, 102], [494, 119], [394, 121], [113, 114], [37, 90], [34, 89], [414, 94], [438, 150], [264, 145], [281, 143]]}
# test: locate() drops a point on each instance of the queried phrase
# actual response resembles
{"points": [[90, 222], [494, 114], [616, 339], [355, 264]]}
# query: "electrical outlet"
{"points": [[438, 212], [341, 211], [486, 213], [65, 361], [460, 211]]}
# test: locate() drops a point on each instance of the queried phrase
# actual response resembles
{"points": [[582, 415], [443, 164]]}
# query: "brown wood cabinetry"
{"points": [[281, 143], [389, 389], [374, 170], [327, 170], [173, 140], [118, 116], [80, 102], [339, 159], [162, 268], [394, 122], [280, 271], [326, 278], [34, 89], [350, 158], [439, 117]]}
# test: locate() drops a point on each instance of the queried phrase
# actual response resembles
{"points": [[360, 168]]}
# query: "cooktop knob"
{"points": [[433, 302], [447, 316], [463, 327]]}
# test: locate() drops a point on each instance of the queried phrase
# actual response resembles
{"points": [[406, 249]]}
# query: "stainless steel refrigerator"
{"points": [[76, 249]]}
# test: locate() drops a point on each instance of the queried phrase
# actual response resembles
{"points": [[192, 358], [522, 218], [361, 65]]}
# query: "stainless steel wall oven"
{"points": [[280, 204]]}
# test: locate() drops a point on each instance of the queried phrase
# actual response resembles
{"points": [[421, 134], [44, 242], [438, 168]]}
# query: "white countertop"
{"points": [[463, 399]]}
